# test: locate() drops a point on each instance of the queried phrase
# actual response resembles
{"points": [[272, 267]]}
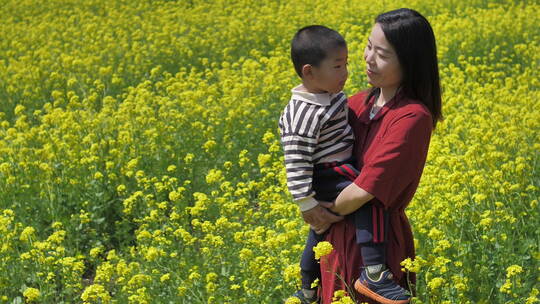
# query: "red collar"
{"points": [[364, 116]]}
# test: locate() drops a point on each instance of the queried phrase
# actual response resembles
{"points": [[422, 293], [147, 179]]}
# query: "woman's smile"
{"points": [[370, 72]]}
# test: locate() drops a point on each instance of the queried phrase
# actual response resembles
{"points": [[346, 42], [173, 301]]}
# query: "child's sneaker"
{"points": [[306, 300], [384, 290]]}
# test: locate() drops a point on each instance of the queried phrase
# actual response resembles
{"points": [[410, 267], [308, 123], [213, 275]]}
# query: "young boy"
{"points": [[317, 142]]}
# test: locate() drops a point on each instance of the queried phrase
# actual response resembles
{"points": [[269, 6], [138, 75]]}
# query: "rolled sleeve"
{"points": [[307, 203], [397, 159]]}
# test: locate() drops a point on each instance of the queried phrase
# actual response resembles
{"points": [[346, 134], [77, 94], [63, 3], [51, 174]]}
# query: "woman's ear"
{"points": [[307, 71]]}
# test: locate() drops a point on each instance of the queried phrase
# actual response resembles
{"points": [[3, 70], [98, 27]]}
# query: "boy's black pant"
{"points": [[371, 220]]}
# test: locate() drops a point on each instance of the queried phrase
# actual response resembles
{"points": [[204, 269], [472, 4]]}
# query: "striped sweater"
{"points": [[314, 129]]}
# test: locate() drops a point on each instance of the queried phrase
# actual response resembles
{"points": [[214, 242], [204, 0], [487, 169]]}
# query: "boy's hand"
{"points": [[320, 218]]}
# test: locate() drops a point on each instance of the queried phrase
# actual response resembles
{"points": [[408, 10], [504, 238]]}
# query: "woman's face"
{"points": [[383, 68]]}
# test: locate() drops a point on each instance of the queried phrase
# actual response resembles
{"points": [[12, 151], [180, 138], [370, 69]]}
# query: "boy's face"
{"points": [[332, 73]]}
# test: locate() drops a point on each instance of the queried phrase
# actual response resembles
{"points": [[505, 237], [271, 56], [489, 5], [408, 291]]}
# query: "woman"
{"points": [[392, 125]]}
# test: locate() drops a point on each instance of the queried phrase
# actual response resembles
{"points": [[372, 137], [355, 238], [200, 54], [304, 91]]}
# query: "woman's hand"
{"points": [[320, 219]]}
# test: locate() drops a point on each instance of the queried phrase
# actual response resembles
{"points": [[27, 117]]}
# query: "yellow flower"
{"points": [[322, 249], [31, 294], [442, 245], [27, 233], [513, 271], [435, 233], [209, 145], [214, 176], [95, 293], [211, 277], [165, 277], [182, 290], [132, 164], [293, 300], [263, 159], [436, 283], [211, 287], [57, 237], [341, 297], [111, 255], [506, 287], [189, 158], [95, 252], [19, 109], [291, 273], [138, 280], [533, 297], [174, 196], [95, 109], [121, 189], [242, 158], [153, 253], [194, 276], [486, 222]]}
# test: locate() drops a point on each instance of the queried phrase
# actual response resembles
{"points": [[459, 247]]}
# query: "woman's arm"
{"points": [[350, 199], [396, 162]]}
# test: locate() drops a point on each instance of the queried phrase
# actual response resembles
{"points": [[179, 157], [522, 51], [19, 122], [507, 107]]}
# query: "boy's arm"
{"points": [[350, 199], [299, 130], [299, 141]]}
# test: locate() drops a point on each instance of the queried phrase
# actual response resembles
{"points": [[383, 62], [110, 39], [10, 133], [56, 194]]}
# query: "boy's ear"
{"points": [[307, 70]]}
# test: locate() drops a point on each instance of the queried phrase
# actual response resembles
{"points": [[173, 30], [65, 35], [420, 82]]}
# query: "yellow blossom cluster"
{"points": [[140, 160], [322, 249]]}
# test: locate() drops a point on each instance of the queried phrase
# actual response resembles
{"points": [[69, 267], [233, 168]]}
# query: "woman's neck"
{"points": [[386, 95]]}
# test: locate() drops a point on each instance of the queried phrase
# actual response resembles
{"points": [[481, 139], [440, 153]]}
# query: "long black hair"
{"points": [[412, 37]]}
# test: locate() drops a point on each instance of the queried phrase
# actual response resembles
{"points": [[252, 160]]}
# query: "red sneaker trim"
{"points": [[363, 289]]}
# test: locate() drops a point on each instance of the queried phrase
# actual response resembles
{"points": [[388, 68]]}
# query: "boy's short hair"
{"points": [[311, 44]]}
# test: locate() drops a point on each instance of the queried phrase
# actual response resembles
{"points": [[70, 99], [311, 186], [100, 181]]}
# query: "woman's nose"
{"points": [[368, 55]]}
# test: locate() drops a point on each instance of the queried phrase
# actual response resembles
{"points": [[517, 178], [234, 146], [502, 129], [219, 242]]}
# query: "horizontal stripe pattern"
{"points": [[311, 133]]}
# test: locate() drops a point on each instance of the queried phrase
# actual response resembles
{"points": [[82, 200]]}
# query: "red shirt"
{"points": [[391, 151]]}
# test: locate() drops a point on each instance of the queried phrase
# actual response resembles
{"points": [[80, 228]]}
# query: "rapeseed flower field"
{"points": [[140, 162]]}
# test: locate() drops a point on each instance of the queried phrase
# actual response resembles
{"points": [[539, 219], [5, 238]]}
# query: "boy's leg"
{"points": [[309, 267], [330, 179], [376, 281], [371, 223]]}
